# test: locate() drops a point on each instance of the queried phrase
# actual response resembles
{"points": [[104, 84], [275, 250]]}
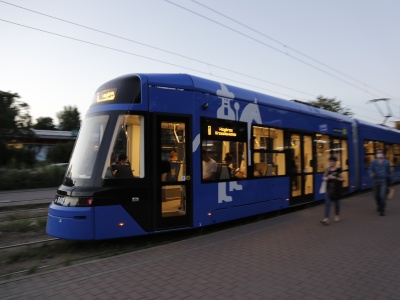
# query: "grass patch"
{"points": [[67, 262], [14, 179], [23, 226], [13, 217], [32, 270], [18, 208], [21, 256]]}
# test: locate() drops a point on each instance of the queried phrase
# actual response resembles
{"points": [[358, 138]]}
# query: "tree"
{"points": [[14, 116], [44, 123], [331, 104], [7, 112], [15, 124], [69, 118], [60, 152]]}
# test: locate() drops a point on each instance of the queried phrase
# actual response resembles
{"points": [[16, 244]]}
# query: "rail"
{"points": [[28, 243]]}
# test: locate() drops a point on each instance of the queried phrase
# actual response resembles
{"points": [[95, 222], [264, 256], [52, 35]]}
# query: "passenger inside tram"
{"points": [[209, 166]]}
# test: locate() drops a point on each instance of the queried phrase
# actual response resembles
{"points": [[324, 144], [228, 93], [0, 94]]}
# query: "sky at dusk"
{"points": [[56, 53]]}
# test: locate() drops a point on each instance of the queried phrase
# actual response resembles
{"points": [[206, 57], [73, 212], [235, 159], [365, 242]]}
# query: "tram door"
{"points": [[302, 170], [174, 205]]}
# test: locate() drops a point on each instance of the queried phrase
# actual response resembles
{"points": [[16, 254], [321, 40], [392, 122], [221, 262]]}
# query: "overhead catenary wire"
{"points": [[138, 55], [203, 62], [206, 63], [273, 48], [287, 46], [159, 49]]}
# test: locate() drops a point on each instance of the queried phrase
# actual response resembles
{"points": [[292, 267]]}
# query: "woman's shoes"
{"points": [[325, 221], [337, 218]]}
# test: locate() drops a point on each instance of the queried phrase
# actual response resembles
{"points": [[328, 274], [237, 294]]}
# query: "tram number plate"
{"points": [[59, 200]]}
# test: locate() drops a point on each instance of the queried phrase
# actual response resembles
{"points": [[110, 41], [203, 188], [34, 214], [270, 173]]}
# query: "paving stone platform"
{"points": [[292, 256]]}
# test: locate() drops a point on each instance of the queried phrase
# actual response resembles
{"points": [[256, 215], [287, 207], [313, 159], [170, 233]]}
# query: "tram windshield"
{"points": [[125, 158], [86, 150], [124, 148]]}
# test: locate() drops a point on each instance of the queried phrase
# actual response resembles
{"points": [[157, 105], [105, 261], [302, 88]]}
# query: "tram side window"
{"points": [[340, 151], [126, 156], [369, 153], [268, 155], [225, 143], [230, 158], [173, 156], [323, 151], [370, 148], [396, 155], [389, 154]]}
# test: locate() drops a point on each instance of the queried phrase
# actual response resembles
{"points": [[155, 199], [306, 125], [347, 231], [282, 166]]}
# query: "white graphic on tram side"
{"points": [[250, 114]]}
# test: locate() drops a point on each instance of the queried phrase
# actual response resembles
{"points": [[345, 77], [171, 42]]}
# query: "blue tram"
{"points": [[160, 124]]}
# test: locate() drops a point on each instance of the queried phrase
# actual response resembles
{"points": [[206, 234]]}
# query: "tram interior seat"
{"points": [[269, 170], [172, 192], [260, 168], [272, 170], [172, 175], [222, 172]]}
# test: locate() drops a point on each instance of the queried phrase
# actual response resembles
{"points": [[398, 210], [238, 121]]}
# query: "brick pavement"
{"points": [[292, 256]]}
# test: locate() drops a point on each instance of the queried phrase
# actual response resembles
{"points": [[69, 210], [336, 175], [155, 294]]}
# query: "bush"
{"points": [[16, 158], [60, 152], [11, 179]]}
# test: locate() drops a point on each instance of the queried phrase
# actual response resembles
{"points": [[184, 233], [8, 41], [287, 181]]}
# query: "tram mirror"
{"points": [[311, 163], [68, 181], [347, 162]]}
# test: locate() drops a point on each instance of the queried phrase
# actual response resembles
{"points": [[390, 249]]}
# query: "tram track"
{"points": [[27, 271], [21, 259], [59, 264], [20, 245]]}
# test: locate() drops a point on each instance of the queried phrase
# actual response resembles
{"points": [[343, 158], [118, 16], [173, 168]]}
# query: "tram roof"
{"points": [[194, 83], [376, 126]]}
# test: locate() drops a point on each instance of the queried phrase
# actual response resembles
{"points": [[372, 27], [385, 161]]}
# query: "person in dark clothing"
{"points": [[122, 160], [334, 178], [379, 171]]}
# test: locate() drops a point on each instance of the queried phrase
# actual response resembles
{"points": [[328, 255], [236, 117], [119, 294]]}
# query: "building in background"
{"points": [[46, 139]]}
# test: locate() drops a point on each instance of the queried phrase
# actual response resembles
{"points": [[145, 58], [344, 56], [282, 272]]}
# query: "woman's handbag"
{"points": [[322, 189]]}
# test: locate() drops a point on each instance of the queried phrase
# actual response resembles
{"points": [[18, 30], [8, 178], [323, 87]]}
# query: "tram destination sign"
{"points": [[106, 95], [217, 129]]}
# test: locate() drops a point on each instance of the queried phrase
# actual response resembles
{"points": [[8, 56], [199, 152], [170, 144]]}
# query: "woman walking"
{"points": [[334, 178]]}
